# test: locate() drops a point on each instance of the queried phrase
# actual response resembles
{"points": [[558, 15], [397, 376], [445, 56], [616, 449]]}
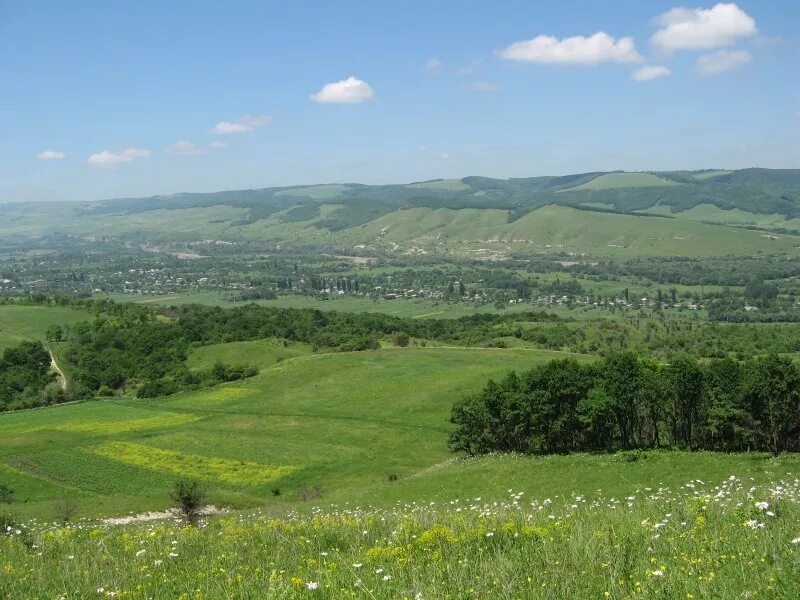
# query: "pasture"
{"points": [[344, 422], [19, 323]]}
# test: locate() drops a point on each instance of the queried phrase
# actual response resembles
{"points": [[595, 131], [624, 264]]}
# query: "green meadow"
{"points": [[343, 422], [19, 323]]}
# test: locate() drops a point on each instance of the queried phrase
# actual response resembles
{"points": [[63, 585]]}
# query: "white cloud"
{"points": [[721, 61], [242, 124], [650, 72], [702, 29], [444, 156], [50, 155], [346, 91], [433, 66], [218, 144], [424, 148], [185, 148], [577, 50], [106, 158], [482, 86]]}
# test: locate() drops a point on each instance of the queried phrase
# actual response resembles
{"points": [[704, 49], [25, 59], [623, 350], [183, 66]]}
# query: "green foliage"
{"points": [[189, 495], [624, 402], [24, 376]]}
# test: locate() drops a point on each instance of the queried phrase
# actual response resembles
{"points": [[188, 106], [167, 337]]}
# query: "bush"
{"points": [[189, 494], [156, 388], [65, 509], [400, 339]]}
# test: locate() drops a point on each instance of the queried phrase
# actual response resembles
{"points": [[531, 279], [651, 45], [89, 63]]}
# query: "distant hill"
{"points": [[588, 212]]}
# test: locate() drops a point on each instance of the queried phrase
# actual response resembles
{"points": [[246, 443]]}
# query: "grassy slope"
{"points": [[342, 421], [623, 180], [559, 229], [18, 323]]}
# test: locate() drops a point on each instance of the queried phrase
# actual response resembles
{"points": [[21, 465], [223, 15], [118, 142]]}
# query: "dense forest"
{"points": [[626, 402]]}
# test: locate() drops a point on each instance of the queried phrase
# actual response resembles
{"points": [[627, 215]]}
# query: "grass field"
{"points": [[731, 532], [623, 180], [369, 414], [18, 323], [340, 483]]}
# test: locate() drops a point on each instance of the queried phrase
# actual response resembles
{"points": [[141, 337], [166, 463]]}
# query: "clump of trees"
{"points": [[25, 378], [627, 402]]}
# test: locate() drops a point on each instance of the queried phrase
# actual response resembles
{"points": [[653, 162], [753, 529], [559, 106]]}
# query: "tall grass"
{"points": [[732, 540]]}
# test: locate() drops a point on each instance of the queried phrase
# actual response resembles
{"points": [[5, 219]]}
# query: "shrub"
{"points": [[65, 509], [189, 494], [400, 339]]}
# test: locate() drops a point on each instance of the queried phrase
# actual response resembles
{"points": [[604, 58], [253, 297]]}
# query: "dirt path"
{"points": [[62, 380]]}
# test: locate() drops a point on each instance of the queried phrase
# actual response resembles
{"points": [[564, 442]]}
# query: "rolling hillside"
{"points": [[365, 412], [734, 212]]}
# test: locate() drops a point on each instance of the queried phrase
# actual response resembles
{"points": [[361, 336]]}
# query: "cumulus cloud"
{"points": [[703, 29], [218, 144], [242, 124], [482, 86], [185, 148], [51, 155], [577, 50], [346, 91], [433, 66], [650, 72], [107, 158], [721, 61]]}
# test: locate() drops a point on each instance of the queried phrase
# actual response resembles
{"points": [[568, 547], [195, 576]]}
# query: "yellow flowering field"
{"points": [[729, 539], [188, 465]]}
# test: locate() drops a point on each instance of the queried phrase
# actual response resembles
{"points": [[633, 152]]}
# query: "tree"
{"points": [[619, 377], [771, 391], [687, 400]]}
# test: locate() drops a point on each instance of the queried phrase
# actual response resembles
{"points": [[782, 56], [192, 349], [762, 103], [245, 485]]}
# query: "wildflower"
{"points": [[379, 570], [358, 565], [387, 577], [796, 541], [489, 534], [762, 505], [312, 585], [657, 573], [140, 552]]}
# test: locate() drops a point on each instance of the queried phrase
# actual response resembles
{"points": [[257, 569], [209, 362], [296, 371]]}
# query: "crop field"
{"points": [[370, 414]]}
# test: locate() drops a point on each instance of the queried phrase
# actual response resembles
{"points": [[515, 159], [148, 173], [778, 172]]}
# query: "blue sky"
{"points": [[109, 99]]}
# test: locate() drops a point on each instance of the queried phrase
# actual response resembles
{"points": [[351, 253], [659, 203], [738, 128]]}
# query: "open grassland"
{"points": [[344, 422], [19, 323], [488, 234], [623, 180], [729, 536]]}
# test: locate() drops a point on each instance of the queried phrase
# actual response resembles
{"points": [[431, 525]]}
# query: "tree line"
{"points": [[626, 402]]}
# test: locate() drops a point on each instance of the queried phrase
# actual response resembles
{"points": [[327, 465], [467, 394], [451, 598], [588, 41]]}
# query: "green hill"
{"points": [[370, 414], [597, 213]]}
